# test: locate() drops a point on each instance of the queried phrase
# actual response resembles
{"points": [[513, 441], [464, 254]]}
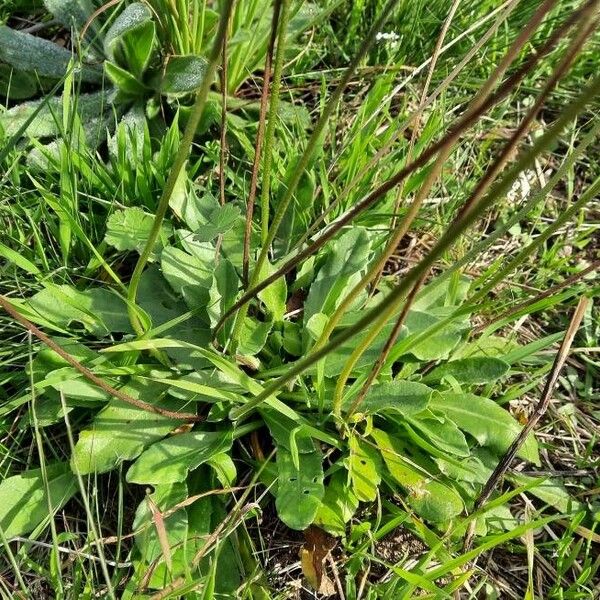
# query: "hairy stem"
{"points": [[272, 119]]}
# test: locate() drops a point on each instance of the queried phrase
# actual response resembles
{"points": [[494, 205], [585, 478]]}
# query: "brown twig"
{"points": [[537, 414], [260, 134], [87, 373]]}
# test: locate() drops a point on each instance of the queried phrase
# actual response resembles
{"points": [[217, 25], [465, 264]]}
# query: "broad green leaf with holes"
{"points": [[299, 490], [169, 460], [490, 424], [431, 499], [281, 428], [24, 501], [472, 370], [364, 467]]}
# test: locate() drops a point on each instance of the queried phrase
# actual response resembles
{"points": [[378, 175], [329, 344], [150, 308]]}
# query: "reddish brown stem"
{"points": [[87, 373], [260, 135]]}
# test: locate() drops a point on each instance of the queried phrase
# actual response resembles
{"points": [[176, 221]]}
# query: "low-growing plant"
{"points": [[269, 349]]}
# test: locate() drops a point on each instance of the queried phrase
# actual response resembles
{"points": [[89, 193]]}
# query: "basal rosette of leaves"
{"points": [[130, 61], [428, 433]]}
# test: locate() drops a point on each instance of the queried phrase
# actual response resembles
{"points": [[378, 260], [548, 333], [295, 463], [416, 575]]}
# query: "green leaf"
{"points": [[342, 269], [28, 53], [124, 80], [48, 119], [76, 389], [338, 505], [551, 491], [431, 499], [176, 524], [130, 40], [129, 229], [24, 502], [253, 336], [99, 310], [169, 460], [435, 347], [275, 295], [182, 269], [472, 370], [364, 466], [220, 221], [490, 424], [281, 428], [299, 490], [121, 432], [183, 74], [71, 12], [335, 361], [15, 84], [442, 433], [404, 397]]}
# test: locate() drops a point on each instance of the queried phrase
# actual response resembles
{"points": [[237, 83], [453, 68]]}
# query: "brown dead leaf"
{"points": [[313, 554], [161, 531]]}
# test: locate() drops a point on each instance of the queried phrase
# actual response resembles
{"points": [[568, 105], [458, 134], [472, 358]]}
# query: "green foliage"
{"points": [[28, 497], [415, 446]]}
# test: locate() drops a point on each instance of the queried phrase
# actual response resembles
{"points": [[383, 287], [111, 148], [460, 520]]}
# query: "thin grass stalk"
{"points": [[282, 23], [388, 305], [313, 140], [533, 420], [223, 138], [413, 136], [490, 327], [535, 199], [591, 193], [259, 143], [461, 125], [482, 186], [178, 165], [44, 471], [97, 538], [89, 375]]}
